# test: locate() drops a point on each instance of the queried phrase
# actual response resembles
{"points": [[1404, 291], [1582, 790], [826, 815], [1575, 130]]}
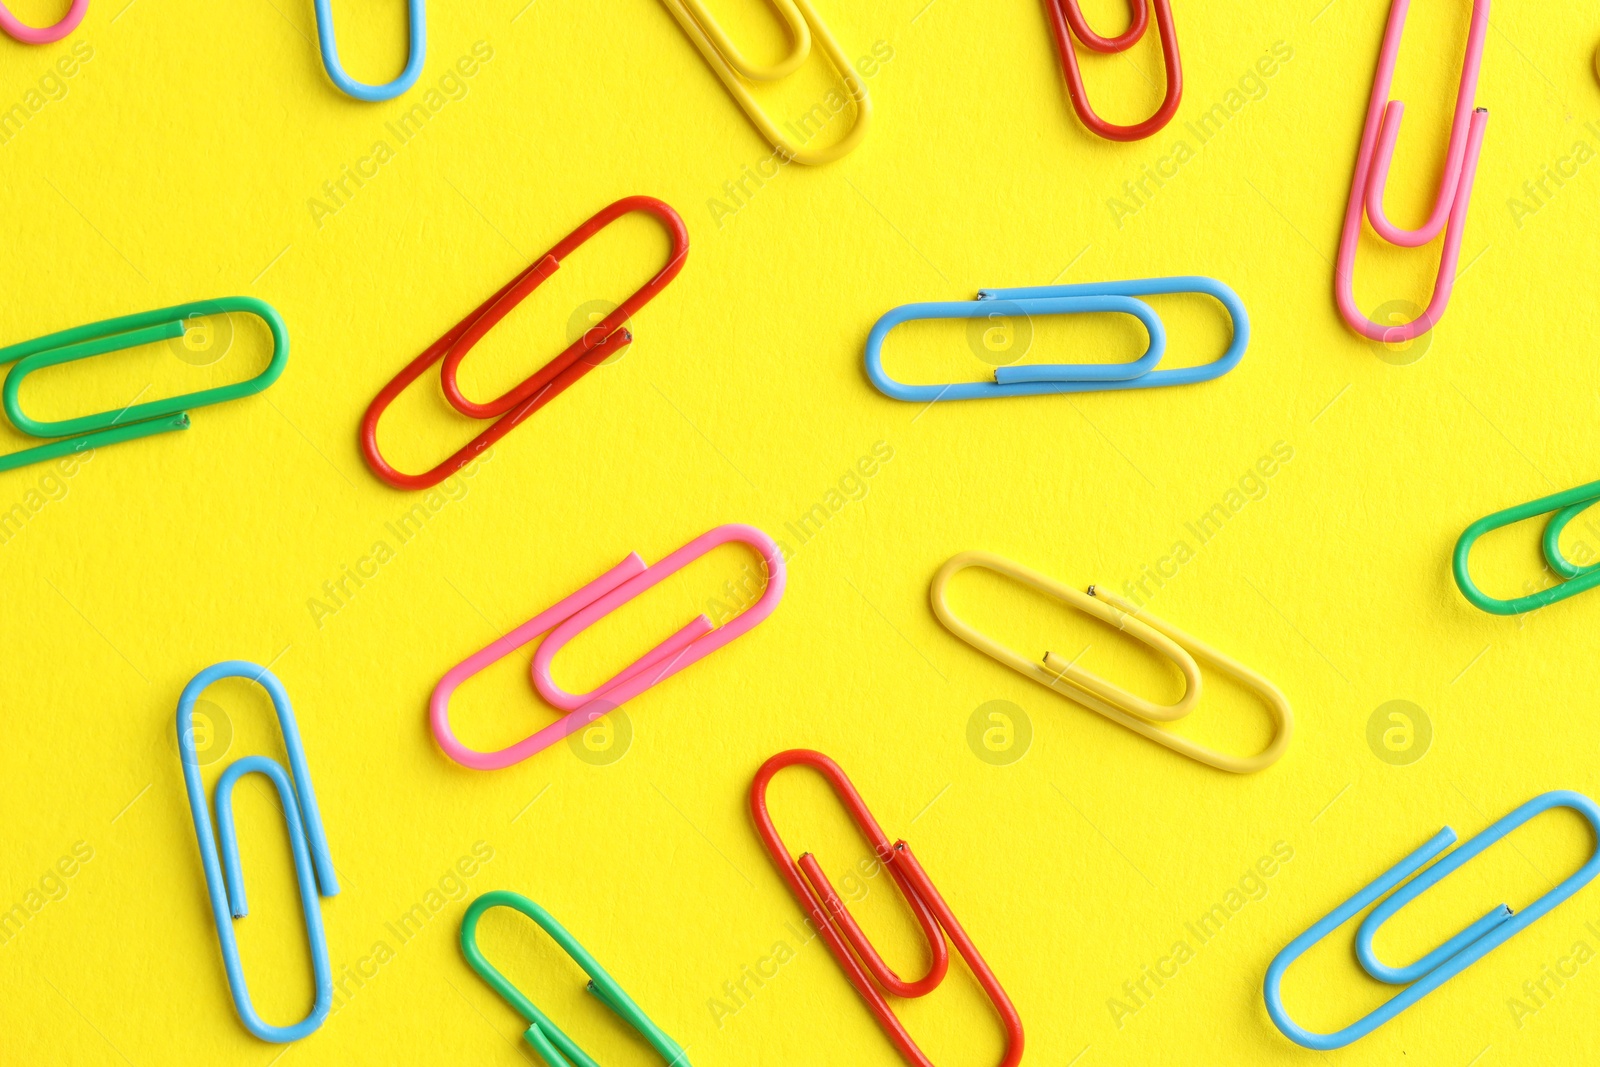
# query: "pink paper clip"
{"points": [[1372, 174], [19, 31], [583, 609]]}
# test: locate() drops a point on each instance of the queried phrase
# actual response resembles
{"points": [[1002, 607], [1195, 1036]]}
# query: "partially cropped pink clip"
{"points": [[47, 34], [583, 609], [1372, 174]]}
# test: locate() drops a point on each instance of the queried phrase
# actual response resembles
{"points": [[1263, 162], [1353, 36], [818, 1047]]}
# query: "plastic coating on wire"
{"points": [[1067, 21], [224, 876], [19, 31], [513, 407], [582, 609], [845, 938], [1452, 957], [418, 20]]}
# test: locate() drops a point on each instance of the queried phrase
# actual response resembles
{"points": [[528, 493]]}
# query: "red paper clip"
{"points": [[599, 343], [836, 925], [1066, 20]]}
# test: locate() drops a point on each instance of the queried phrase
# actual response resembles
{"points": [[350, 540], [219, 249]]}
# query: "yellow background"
{"points": [[178, 165]]}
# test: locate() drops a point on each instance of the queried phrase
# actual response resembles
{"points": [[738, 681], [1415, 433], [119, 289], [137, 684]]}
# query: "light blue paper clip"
{"points": [[1449, 959], [360, 90], [306, 839], [1040, 379]]}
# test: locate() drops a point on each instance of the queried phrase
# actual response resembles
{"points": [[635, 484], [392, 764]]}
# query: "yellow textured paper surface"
{"points": [[181, 160]]}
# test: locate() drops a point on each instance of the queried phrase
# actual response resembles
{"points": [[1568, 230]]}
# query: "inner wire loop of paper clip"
{"points": [[581, 610], [1098, 695], [731, 67], [516, 405], [1453, 956], [844, 936]]}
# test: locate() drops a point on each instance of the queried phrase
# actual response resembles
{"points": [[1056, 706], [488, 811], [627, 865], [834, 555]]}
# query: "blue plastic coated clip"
{"points": [[361, 90], [306, 839], [1449, 959], [1038, 379]]}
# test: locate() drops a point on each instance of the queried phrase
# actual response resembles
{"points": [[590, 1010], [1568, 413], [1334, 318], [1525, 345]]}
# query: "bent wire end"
{"points": [[22, 33], [418, 36]]}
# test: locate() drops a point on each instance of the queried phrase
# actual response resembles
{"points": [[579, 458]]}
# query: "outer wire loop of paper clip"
{"points": [[840, 932], [706, 35], [22, 33], [1045, 379], [552, 1044], [219, 851], [1368, 182], [115, 335], [1449, 959], [1095, 693], [1066, 21], [417, 18], [1562, 508], [591, 350], [581, 609]]}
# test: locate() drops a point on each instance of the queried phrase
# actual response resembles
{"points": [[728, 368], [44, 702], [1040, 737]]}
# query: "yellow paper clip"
{"points": [[731, 66], [1095, 693]]}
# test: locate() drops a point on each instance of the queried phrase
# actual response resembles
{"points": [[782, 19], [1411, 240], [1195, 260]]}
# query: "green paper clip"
{"points": [[135, 420], [553, 1046]]}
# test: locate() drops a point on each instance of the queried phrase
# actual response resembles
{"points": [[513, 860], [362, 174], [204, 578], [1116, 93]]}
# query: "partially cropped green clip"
{"points": [[136, 420], [553, 1046], [1562, 508]]}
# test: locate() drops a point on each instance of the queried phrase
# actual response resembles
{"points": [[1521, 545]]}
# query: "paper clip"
{"points": [[115, 335], [730, 66], [25, 34], [1098, 695], [553, 1046], [1039, 378], [418, 19], [600, 342], [1372, 176], [832, 919], [1562, 508], [1066, 20], [307, 841], [571, 616], [1449, 959]]}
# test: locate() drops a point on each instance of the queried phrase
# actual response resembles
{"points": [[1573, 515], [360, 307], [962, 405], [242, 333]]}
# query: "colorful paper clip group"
{"points": [[1371, 177], [1067, 21], [1034, 379], [513, 407], [309, 844], [547, 1039], [418, 19], [1562, 508], [1450, 958], [135, 420], [571, 616], [730, 65], [839, 930], [1095, 693], [17, 30]]}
